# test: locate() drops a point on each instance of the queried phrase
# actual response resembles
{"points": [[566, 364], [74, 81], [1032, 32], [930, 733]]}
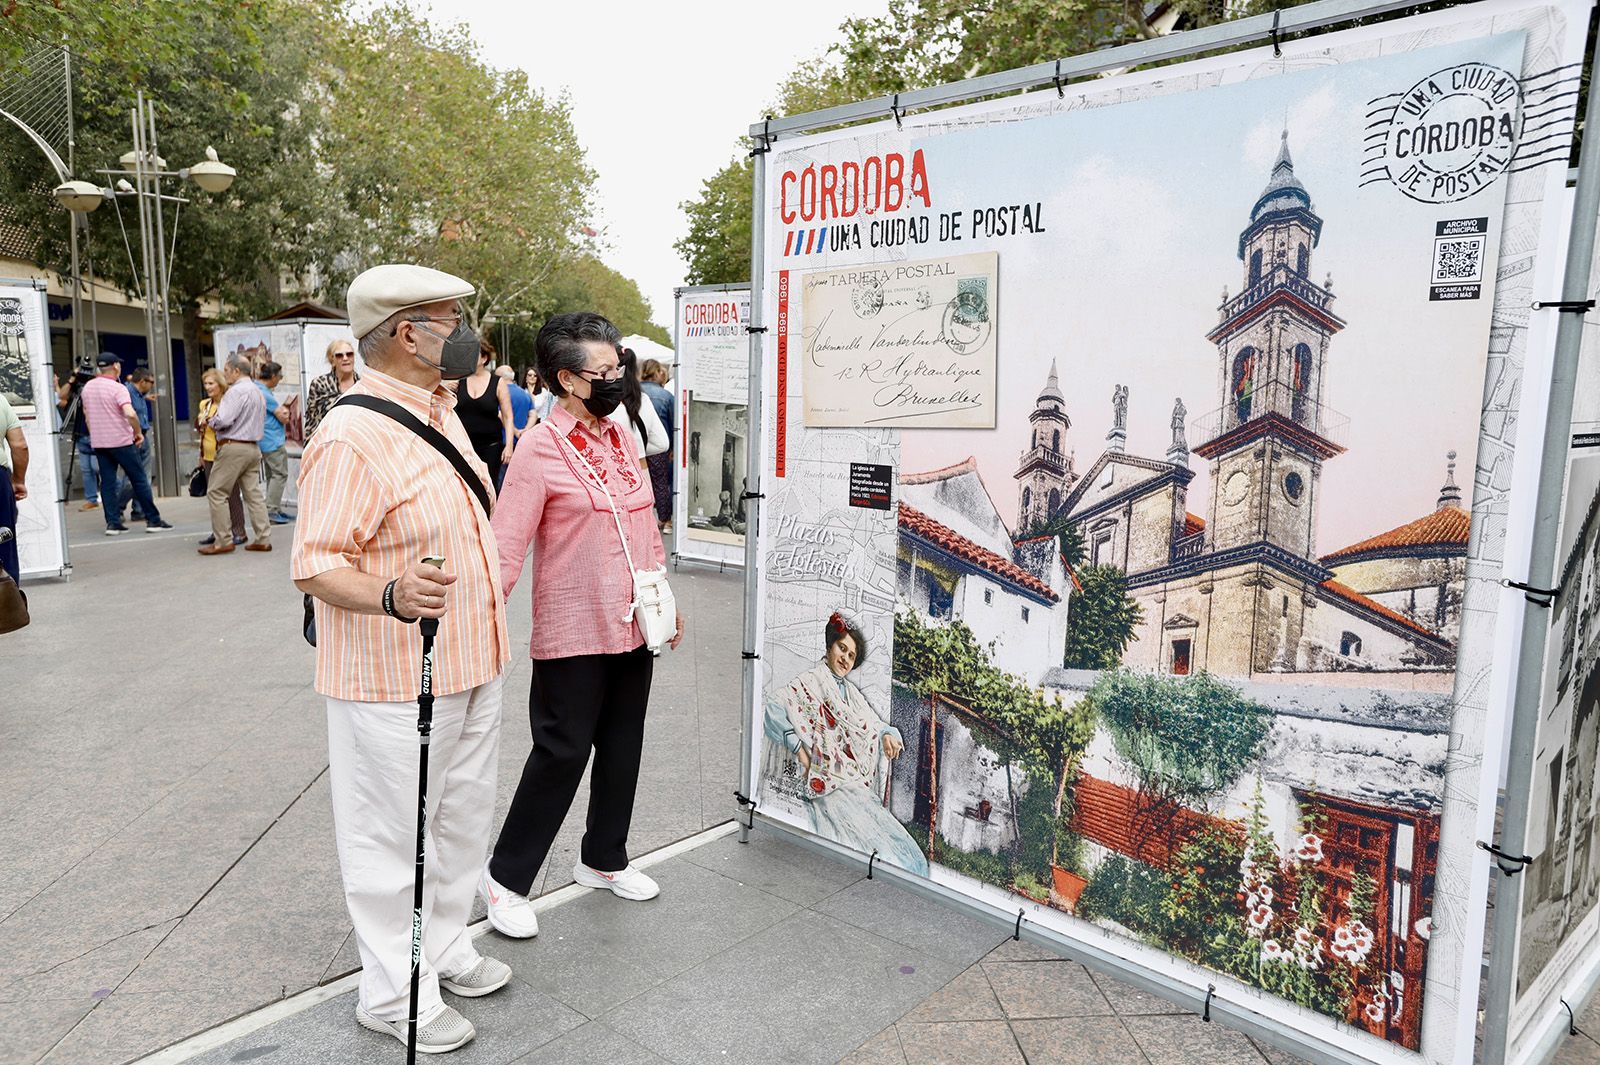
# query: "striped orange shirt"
{"points": [[377, 497]]}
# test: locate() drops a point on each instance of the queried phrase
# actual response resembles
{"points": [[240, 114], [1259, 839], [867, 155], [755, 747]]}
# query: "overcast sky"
{"points": [[660, 95]]}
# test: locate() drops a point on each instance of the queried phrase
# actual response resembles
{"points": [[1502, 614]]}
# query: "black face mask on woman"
{"points": [[604, 396]]}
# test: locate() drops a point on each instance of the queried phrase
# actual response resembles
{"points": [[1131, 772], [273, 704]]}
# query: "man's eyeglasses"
{"points": [[426, 318]]}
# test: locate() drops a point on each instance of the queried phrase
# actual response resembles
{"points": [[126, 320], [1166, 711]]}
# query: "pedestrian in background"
{"points": [[635, 415], [116, 435], [324, 391], [13, 486], [591, 668], [140, 384], [375, 499], [87, 463], [521, 413], [238, 423], [211, 382], [274, 455], [653, 380], [543, 399], [483, 403]]}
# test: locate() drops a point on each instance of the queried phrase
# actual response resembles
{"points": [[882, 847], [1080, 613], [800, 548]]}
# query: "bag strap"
{"points": [[594, 478], [440, 442]]}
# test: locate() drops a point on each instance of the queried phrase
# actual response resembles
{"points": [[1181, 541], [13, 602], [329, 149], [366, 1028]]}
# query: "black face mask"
{"points": [[459, 356], [604, 396]]}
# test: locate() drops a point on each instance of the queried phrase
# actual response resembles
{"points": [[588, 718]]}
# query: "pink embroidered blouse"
{"points": [[551, 508]]}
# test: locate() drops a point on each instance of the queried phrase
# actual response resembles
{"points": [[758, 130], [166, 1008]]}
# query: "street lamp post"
{"points": [[147, 169]]}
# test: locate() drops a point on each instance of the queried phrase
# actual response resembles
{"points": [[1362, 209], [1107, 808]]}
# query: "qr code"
{"points": [[1458, 260]]}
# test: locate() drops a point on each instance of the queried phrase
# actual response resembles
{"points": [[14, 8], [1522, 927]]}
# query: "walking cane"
{"points": [[429, 627]]}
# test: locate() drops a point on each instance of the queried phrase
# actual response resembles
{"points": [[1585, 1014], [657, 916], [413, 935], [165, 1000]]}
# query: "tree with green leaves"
{"points": [[1101, 619]]}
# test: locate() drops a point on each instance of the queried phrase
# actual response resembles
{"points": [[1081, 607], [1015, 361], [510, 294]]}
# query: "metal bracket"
{"points": [[1060, 92], [895, 108], [870, 861], [766, 140], [1016, 933], [1570, 306], [749, 804], [1277, 52], [1544, 597], [755, 329], [1518, 862], [1211, 991]]}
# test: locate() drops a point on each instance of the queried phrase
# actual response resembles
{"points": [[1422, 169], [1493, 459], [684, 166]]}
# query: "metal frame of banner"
{"points": [[43, 413], [1571, 307], [678, 532], [1256, 30]]}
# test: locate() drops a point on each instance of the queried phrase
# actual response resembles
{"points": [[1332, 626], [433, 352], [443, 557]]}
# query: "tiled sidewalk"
{"points": [[769, 953]]}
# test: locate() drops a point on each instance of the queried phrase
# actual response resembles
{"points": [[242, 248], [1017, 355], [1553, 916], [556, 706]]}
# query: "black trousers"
{"points": [[574, 704]]}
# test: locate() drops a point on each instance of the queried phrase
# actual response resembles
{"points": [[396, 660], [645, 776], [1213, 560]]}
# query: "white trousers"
{"points": [[373, 751]]}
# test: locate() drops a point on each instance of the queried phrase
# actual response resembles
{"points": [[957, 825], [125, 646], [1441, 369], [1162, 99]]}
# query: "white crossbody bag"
{"points": [[653, 609]]}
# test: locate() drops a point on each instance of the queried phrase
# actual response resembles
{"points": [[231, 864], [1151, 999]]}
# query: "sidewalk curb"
{"points": [[258, 1019]]}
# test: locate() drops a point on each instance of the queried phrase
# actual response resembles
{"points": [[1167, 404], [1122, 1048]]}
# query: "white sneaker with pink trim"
{"points": [[627, 883], [509, 914]]}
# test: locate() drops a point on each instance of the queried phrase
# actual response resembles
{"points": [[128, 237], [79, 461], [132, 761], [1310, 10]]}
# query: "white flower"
{"points": [[1310, 848], [1342, 938], [1271, 951], [1252, 900], [1397, 980], [1303, 938], [1260, 918], [1266, 895], [1374, 1012]]}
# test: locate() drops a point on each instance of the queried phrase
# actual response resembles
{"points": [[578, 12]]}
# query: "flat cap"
{"points": [[377, 293]]}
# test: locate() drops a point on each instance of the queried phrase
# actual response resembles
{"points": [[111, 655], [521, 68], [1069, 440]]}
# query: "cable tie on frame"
{"points": [[895, 107], [1572, 1021], [870, 860], [752, 495], [1509, 864], [1544, 597], [766, 139], [1570, 306], [1016, 933], [749, 656], [755, 329], [1060, 92], [1277, 52], [1211, 991]]}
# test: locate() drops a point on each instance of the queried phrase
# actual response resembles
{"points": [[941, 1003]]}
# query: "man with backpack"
{"points": [[388, 480]]}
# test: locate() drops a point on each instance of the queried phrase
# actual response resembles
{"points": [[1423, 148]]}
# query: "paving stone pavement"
{"points": [[171, 867], [168, 838]]}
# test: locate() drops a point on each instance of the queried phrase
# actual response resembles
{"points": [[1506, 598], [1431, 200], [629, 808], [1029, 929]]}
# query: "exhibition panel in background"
{"points": [[26, 382], [300, 346], [1175, 625], [713, 388]]}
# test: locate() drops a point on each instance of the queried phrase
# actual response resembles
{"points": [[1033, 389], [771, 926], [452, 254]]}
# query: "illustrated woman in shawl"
{"points": [[843, 746]]}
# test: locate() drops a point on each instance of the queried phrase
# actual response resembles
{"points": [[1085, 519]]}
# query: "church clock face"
{"points": [[1235, 488]]}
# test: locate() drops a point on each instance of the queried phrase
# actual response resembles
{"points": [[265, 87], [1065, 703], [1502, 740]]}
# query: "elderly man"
{"points": [[377, 497], [238, 424]]}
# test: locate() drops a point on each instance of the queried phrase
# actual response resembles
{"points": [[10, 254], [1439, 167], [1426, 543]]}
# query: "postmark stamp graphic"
{"points": [[1448, 136], [972, 299], [965, 326], [867, 299]]}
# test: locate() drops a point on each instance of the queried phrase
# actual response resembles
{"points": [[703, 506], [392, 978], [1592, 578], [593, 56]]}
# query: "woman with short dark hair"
{"points": [[577, 501]]}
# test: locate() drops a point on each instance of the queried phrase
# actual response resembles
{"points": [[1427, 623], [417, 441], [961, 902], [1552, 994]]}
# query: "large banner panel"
{"points": [[713, 391], [1559, 916], [27, 383], [1187, 647]]}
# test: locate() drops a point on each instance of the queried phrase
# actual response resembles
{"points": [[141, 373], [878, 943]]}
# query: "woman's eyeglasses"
{"points": [[613, 374]]}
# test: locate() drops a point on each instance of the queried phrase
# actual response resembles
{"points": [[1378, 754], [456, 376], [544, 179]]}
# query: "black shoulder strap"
{"points": [[433, 436]]}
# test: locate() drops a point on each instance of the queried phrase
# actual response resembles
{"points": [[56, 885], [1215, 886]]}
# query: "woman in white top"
{"points": [[637, 415]]}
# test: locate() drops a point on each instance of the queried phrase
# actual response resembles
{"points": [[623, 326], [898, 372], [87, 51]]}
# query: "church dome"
{"points": [[1284, 191]]}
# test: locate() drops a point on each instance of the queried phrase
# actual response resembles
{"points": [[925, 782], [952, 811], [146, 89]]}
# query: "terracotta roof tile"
{"points": [[943, 536], [1344, 591], [1193, 523], [1447, 526], [966, 465]]}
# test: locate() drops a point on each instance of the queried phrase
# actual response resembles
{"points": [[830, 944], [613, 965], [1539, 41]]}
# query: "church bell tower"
{"points": [[1045, 469], [1269, 438]]}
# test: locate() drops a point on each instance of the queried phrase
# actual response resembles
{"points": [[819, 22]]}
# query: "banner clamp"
{"points": [[1537, 596], [1060, 92], [766, 140], [1211, 991], [895, 108], [870, 860], [1016, 933], [1277, 52], [1509, 864], [1570, 306], [755, 329]]}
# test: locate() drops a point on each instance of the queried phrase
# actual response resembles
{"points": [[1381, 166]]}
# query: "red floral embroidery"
{"points": [[620, 464], [827, 716]]}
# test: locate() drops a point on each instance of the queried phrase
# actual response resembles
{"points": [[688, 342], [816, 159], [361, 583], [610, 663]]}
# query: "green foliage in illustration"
{"points": [[1128, 893], [1101, 619]]}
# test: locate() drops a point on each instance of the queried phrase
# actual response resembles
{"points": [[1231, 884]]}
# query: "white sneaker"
{"points": [[509, 913], [627, 883], [446, 1032], [489, 974]]}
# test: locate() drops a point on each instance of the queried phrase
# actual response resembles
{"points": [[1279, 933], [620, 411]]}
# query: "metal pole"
{"points": [[73, 221], [754, 457], [1541, 573], [166, 442]]}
